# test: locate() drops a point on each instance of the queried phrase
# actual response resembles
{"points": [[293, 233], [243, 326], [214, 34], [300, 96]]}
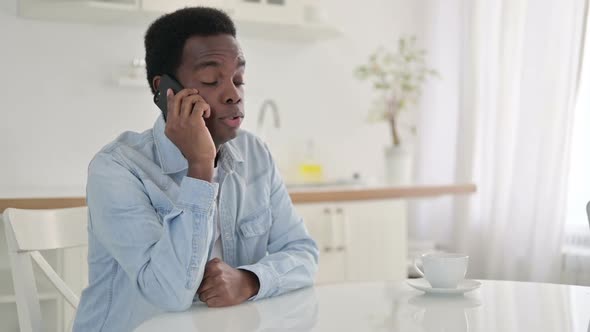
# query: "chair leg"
{"points": [[25, 289]]}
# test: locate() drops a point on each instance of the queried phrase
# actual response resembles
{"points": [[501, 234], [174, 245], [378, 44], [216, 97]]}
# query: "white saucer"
{"points": [[464, 286]]}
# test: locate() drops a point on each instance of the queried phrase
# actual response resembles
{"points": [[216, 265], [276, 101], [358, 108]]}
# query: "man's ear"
{"points": [[156, 82]]}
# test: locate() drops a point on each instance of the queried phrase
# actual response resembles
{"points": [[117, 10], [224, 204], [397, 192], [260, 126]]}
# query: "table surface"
{"points": [[394, 306]]}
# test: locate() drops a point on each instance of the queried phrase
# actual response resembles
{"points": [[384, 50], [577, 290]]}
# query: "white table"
{"points": [[496, 306]]}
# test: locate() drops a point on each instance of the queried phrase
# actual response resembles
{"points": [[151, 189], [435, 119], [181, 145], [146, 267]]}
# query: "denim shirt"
{"points": [[150, 229]]}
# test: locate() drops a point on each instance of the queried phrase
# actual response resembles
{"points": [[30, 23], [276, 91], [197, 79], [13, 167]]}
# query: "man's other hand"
{"points": [[224, 286]]}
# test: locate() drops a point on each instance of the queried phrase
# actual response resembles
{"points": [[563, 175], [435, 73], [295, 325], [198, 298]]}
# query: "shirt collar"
{"points": [[172, 160]]}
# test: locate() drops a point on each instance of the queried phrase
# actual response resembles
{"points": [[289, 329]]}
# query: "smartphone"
{"points": [[167, 82]]}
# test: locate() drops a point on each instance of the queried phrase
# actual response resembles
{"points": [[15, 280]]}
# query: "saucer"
{"points": [[444, 302], [464, 286]]}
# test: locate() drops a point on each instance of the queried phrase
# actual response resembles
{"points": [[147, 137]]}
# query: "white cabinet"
{"points": [[269, 11], [260, 19], [358, 241], [172, 5]]}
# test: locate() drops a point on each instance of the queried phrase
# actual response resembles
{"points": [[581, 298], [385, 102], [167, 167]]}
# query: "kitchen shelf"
{"points": [[45, 289]]}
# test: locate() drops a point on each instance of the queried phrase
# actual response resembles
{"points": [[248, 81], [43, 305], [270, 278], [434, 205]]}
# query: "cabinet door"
{"points": [[319, 220], [359, 241], [376, 244], [269, 11]]}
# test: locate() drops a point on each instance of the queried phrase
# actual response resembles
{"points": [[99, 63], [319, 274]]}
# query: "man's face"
{"points": [[215, 66]]}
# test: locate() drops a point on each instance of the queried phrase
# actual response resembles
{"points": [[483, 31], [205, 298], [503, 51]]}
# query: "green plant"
{"points": [[398, 79]]}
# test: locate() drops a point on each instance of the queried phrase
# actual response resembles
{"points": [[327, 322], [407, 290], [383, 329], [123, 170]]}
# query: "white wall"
{"points": [[59, 104]]}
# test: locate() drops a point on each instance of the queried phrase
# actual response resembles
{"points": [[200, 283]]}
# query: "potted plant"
{"points": [[397, 79]]}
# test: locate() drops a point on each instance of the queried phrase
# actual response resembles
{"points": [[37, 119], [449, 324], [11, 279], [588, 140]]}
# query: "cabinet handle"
{"points": [[334, 230], [342, 223], [330, 230]]}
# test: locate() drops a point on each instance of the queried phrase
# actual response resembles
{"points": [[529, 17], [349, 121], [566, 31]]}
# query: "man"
{"points": [[193, 209]]}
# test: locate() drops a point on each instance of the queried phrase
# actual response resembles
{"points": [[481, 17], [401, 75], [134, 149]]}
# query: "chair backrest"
{"points": [[28, 232], [588, 212]]}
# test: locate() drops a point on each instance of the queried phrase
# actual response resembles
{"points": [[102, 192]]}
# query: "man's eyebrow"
{"points": [[205, 64], [216, 64]]}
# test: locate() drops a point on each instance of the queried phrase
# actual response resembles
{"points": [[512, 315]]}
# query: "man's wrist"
{"points": [[253, 284], [201, 170]]}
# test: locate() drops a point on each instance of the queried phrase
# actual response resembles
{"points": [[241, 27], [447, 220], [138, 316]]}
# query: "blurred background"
{"points": [[490, 99]]}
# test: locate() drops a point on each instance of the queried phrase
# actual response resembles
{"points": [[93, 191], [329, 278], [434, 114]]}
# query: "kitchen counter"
{"points": [[345, 194], [298, 195]]}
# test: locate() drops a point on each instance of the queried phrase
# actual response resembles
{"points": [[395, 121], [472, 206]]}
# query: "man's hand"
{"points": [[186, 128], [223, 285]]}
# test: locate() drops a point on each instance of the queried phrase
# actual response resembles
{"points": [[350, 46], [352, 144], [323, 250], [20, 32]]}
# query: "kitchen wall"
{"points": [[60, 103]]}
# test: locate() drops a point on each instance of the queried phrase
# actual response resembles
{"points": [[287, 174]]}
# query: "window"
{"points": [[579, 176]]}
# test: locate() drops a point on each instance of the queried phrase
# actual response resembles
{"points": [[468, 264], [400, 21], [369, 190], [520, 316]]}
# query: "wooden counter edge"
{"points": [[41, 203], [297, 196], [409, 192]]}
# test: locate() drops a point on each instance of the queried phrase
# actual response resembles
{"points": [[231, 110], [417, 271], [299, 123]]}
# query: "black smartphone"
{"points": [[166, 82]]}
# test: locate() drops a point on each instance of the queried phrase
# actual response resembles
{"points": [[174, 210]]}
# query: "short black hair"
{"points": [[165, 38]]}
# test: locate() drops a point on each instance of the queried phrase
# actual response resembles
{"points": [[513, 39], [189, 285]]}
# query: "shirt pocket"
{"points": [[256, 224]]}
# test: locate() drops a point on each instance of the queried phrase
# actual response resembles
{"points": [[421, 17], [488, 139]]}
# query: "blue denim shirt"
{"points": [[151, 228]]}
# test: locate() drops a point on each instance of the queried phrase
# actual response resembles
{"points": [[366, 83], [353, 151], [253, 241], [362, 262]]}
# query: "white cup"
{"points": [[443, 270]]}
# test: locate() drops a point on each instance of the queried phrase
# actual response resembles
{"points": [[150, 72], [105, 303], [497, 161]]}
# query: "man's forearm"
{"points": [[202, 171]]}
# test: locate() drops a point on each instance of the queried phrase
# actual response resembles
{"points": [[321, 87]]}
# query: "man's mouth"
{"points": [[232, 115], [232, 121]]}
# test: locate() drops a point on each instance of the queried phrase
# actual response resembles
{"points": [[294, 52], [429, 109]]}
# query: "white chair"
{"points": [[588, 212], [31, 231]]}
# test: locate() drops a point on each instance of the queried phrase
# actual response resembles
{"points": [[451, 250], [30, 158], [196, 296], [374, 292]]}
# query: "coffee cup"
{"points": [[443, 270]]}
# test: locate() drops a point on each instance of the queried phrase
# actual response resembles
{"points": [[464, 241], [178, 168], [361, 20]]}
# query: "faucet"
{"points": [[275, 111]]}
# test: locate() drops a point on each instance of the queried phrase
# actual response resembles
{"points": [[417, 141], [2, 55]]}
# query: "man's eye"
{"points": [[239, 83], [209, 83]]}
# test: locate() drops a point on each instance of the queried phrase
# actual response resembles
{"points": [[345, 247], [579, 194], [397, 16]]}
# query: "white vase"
{"points": [[398, 165]]}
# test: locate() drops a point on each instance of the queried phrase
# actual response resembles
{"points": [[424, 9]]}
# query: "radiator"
{"points": [[575, 267]]}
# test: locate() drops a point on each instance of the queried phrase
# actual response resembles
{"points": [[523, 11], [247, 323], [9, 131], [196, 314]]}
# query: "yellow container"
{"points": [[311, 173]]}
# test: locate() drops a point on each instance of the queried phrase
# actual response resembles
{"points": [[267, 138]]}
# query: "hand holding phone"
{"points": [[184, 112], [166, 82]]}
